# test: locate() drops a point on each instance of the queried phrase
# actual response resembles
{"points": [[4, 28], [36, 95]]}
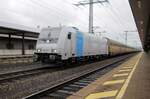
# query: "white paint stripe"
{"points": [[123, 89], [128, 67], [125, 70], [105, 94], [112, 82], [121, 75]]}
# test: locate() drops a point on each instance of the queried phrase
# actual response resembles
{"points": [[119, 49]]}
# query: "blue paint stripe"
{"points": [[79, 44]]}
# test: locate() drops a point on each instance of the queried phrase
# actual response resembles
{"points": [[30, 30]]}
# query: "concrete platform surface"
{"points": [[139, 87], [130, 80]]}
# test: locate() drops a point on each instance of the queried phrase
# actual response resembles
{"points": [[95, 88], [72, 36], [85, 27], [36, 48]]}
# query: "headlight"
{"points": [[38, 50], [47, 41], [54, 50]]}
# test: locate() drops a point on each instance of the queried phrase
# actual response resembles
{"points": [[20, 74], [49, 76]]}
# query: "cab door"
{"points": [[69, 44]]}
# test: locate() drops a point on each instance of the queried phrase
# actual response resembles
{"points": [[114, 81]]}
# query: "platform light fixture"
{"points": [[139, 4], [141, 22]]}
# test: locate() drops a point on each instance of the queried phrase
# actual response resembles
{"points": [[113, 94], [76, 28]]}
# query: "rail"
{"points": [[50, 91]]}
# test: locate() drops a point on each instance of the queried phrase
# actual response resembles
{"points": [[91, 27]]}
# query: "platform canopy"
{"points": [[141, 13], [18, 30]]}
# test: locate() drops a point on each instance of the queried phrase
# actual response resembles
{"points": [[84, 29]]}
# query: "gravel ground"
{"points": [[20, 67], [19, 88]]}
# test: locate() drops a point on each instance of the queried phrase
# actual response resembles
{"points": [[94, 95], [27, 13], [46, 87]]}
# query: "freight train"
{"points": [[67, 44]]}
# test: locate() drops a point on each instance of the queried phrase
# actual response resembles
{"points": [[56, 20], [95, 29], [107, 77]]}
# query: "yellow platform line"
{"points": [[121, 75], [123, 89], [127, 67], [125, 70], [113, 82], [102, 95]]}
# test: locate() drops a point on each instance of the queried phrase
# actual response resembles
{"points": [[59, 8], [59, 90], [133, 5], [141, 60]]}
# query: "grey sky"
{"points": [[114, 18]]}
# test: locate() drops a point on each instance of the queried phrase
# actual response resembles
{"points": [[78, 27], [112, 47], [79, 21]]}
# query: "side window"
{"points": [[69, 35]]}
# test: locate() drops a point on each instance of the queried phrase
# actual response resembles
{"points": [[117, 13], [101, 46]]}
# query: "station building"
{"points": [[17, 39]]}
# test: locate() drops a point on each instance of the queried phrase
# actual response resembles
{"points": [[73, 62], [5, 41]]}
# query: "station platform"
{"points": [[14, 59], [130, 80]]}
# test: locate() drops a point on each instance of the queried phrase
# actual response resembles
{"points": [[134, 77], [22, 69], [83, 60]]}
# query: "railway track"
{"points": [[8, 76], [26, 73], [66, 88], [13, 75]]}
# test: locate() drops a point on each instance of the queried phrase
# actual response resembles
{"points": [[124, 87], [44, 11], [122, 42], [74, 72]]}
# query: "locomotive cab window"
{"points": [[69, 35]]}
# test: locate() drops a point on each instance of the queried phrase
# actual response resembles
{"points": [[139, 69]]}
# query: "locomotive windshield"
{"points": [[49, 35]]}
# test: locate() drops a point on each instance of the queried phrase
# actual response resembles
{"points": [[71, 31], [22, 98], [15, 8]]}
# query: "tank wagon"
{"points": [[67, 44]]}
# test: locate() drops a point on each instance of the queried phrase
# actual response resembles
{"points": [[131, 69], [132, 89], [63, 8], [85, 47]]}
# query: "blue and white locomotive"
{"points": [[61, 44]]}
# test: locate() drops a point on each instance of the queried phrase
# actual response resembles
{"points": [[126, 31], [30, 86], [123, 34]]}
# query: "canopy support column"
{"points": [[23, 48], [9, 41]]}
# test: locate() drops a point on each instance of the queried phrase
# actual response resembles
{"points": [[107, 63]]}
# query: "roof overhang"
{"points": [[141, 13], [18, 30]]}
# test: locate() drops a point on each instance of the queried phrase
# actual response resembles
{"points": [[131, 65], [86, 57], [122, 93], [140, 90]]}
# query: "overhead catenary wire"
{"points": [[80, 20], [90, 3], [103, 22], [61, 14], [113, 13], [50, 10], [114, 18], [117, 13], [95, 19]]}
